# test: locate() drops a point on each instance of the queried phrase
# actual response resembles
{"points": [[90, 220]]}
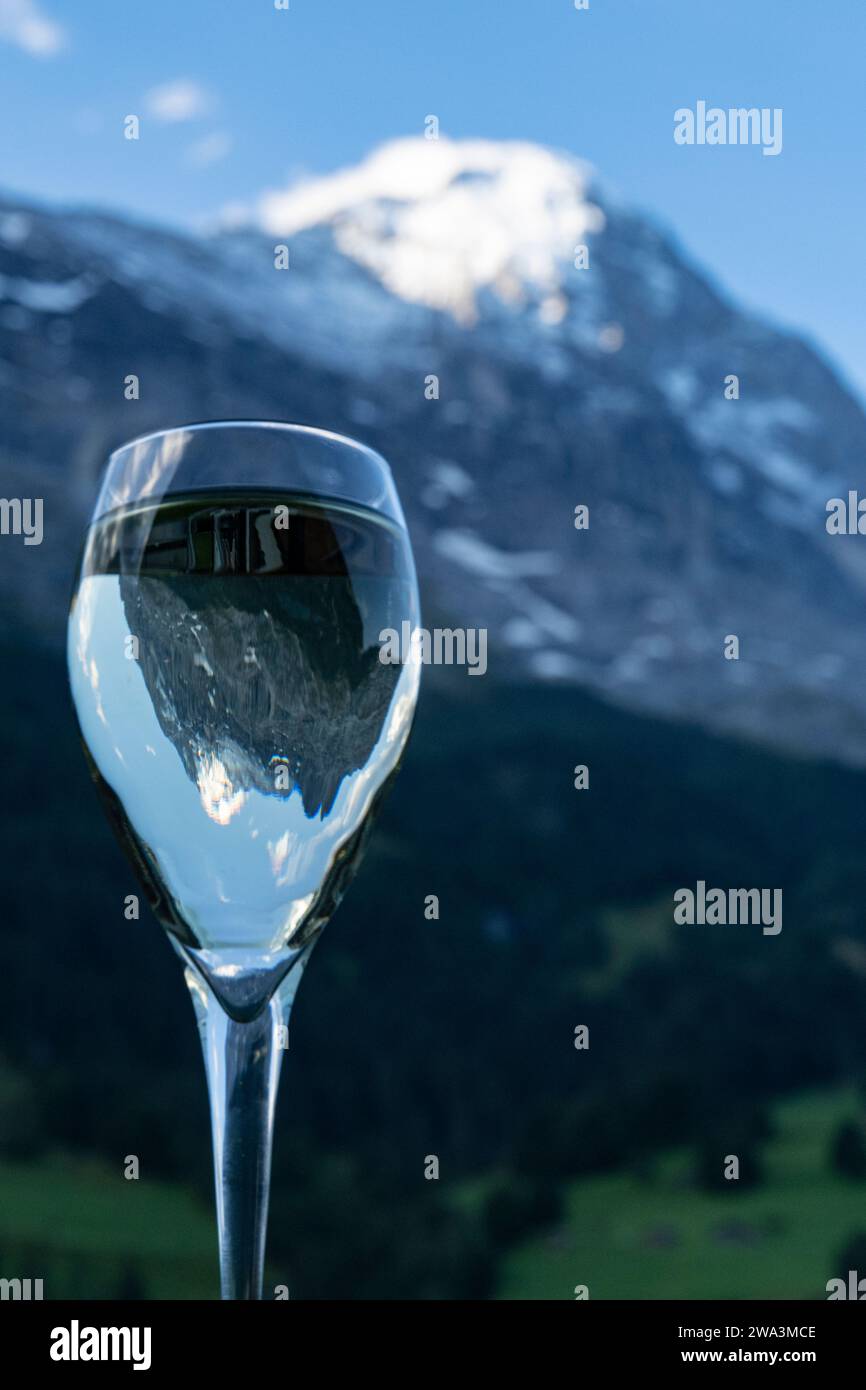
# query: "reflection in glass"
{"points": [[224, 664]]}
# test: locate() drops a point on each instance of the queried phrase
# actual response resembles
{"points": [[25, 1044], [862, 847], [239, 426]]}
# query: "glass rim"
{"points": [[179, 458], [316, 431]]}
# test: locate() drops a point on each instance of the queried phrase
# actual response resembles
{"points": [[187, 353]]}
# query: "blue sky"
{"points": [[261, 96]]}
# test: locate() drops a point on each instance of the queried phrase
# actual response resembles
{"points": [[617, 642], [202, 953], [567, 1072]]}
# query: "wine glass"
{"points": [[225, 652]]}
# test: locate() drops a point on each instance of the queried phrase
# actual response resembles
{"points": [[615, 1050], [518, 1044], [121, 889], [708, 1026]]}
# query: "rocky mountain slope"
{"points": [[516, 344]]}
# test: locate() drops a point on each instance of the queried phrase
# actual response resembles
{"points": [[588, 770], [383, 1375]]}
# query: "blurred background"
{"points": [[432, 172]]}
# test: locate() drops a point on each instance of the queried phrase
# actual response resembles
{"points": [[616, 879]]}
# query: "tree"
{"points": [[848, 1151]]}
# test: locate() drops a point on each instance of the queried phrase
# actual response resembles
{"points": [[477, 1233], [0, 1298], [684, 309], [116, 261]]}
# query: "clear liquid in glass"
{"points": [[223, 652]]}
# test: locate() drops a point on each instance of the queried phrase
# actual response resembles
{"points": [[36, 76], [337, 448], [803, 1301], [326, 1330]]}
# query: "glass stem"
{"points": [[243, 1063]]}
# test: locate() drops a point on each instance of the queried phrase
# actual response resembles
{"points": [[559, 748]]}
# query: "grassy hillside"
{"points": [[649, 1236], [89, 1232], [658, 1235]]}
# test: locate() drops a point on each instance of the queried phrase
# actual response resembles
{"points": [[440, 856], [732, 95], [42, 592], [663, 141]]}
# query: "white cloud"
{"points": [[24, 24], [210, 149], [183, 100]]}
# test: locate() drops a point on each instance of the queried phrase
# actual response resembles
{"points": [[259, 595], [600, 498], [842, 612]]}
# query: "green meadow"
{"points": [[657, 1235], [78, 1226], [651, 1235]]}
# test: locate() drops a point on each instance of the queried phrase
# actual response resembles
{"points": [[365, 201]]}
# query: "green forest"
{"points": [[558, 1166]]}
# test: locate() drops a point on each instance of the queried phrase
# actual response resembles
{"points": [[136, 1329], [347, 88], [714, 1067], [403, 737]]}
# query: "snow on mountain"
{"points": [[439, 221]]}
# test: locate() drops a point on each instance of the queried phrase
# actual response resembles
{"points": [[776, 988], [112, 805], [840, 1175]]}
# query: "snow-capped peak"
{"points": [[437, 221]]}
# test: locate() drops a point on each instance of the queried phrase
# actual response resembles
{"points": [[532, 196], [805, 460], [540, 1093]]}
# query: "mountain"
{"points": [[565, 377]]}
